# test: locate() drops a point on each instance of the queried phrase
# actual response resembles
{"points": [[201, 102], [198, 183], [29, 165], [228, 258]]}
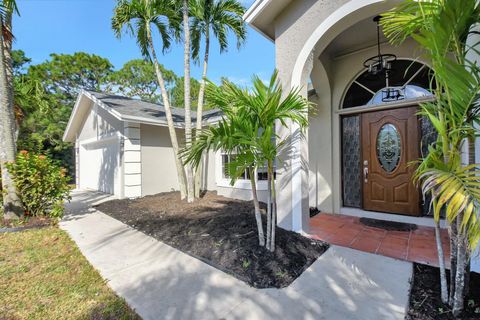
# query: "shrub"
{"points": [[42, 185]]}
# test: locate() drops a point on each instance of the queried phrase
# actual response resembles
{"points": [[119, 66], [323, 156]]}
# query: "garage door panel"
{"points": [[99, 166]]}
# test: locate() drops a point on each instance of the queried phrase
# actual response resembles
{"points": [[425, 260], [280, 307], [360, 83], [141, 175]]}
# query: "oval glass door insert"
{"points": [[388, 147]]}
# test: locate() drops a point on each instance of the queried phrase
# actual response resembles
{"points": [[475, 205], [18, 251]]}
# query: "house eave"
{"points": [[261, 15], [76, 118]]}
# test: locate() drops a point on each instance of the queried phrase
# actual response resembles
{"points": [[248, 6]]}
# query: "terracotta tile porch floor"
{"points": [[347, 231]]}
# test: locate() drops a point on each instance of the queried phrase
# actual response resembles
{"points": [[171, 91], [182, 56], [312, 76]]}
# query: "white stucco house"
{"points": [[122, 147], [362, 135], [365, 129]]}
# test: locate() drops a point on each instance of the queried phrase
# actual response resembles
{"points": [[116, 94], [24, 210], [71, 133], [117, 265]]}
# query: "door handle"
{"points": [[365, 174]]}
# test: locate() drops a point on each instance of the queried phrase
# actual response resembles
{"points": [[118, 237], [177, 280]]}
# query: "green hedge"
{"points": [[41, 184]]}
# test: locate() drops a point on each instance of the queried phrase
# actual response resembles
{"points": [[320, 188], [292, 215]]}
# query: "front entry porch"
{"points": [[415, 246]]}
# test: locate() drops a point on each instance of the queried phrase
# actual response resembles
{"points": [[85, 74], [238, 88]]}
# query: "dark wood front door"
{"points": [[390, 141]]}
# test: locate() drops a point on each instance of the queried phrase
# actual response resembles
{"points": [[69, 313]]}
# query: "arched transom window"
{"points": [[408, 80]]}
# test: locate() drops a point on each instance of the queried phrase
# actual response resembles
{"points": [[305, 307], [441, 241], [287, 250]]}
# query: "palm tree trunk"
{"points": [[458, 296], [453, 260], [269, 212], [7, 53], [471, 160], [274, 205], [201, 94], [441, 263], [12, 205], [188, 113], [168, 113], [256, 204]]}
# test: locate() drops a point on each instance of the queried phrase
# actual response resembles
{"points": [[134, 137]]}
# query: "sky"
{"points": [[68, 26]]}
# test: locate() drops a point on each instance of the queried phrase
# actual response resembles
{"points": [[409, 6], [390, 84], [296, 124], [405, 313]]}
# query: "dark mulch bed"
{"points": [[388, 225], [425, 302], [26, 223], [222, 232]]}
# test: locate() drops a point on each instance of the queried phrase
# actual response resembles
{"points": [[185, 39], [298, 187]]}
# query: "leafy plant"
{"points": [[246, 263], [247, 132], [281, 274], [42, 185], [443, 29]]}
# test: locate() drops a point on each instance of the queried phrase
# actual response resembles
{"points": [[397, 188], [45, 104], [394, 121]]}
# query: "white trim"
{"points": [[296, 182], [70, 120], [384, 106], [132, 161], [321, 30], [243, 184], [255, 10], [100, 139], [362, 70]]}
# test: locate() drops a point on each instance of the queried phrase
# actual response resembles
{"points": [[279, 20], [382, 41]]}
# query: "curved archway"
{"points": [[341, 19], [344, 17]]}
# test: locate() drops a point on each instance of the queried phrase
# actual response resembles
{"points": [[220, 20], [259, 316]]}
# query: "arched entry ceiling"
{"points": [[358, 37]]}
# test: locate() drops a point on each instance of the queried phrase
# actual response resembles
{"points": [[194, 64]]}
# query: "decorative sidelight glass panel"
{"points": [[388, 147], [351, 169]]}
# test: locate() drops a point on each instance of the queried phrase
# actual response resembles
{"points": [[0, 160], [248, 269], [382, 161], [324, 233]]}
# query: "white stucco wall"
{"points": [[302, 31], [159, 173], [98, 163], [99, 123]]}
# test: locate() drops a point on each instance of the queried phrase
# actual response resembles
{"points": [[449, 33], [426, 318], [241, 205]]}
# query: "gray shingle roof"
{"points": [[134, 108]]}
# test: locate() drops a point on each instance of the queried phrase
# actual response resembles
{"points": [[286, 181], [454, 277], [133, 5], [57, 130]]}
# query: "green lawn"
{"points": [[43, 275]]}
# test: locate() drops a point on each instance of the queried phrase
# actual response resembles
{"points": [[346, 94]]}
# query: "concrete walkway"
{"points": [[160, 282]]}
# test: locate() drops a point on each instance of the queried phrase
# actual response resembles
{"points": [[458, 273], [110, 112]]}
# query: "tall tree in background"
{"points": [[178, 92], [62, 77], [137, 78], [66, 74], [19, 62], [137, 18], [12, 206], [187, 96], [217, 17]]}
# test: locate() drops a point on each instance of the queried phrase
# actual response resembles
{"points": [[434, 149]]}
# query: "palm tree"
{"points": [[233, 135], [217, 17], [187, 97], [247, 131], [137, 18], [442, 28], [12, 205]]}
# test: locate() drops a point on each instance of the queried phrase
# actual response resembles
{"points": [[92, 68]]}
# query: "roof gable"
{"points": [[128, 109]]}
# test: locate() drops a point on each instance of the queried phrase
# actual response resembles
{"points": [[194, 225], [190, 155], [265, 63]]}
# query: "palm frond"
{"points": [[458, 191]]}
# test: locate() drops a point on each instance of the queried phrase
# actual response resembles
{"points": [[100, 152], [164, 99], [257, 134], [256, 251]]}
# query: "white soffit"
{"points": [[262, 13]]}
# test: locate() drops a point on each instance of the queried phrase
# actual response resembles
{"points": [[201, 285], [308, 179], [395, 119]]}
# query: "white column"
{"points": [[300, 169], [132, 160], [77, 163]]}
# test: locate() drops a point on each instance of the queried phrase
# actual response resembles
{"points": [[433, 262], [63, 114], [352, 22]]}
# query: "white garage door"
{"points": [[98, 164]]}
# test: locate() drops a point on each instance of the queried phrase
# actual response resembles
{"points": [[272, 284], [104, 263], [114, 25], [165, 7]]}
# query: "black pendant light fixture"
{"points": [[380, 64]]}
